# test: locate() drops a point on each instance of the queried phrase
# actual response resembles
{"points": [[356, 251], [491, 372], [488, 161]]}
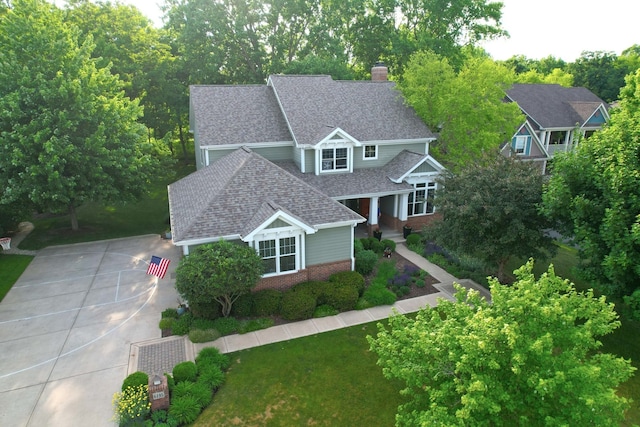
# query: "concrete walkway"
{"points": [[289, 331]]}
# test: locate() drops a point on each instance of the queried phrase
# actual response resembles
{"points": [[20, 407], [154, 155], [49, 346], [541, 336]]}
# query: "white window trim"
{"points": [[333, 146], [525, 139], [364, 151], [428, 185], [277, 234]]}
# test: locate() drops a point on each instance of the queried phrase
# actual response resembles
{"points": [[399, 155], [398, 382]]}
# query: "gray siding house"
{"points": [[292, 167], [554, 115]]}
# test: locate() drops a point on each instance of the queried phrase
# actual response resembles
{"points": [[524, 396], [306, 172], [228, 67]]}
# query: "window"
{"points": [[520, 146], [334, 159], [421, 200], [370, 152], [280, 257]]}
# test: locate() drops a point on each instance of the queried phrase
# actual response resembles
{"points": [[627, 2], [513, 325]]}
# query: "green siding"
{"points": [[424, 167], [217, 154], [274, 153], [385, 154], [278, 223], [328, 245]]}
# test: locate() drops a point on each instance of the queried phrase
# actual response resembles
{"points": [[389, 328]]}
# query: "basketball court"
{"points": [[67, 325]]}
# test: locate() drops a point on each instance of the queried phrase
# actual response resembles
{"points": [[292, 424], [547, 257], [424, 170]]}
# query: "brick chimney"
{"points": [[379, 72]]}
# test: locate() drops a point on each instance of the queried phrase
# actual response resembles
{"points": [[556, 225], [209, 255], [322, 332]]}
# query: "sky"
{"points": [[539, 28]]}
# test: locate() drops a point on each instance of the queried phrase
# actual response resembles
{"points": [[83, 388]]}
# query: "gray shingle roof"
{"points": [[239, 192], [369, 111], [555, 106], [236, 115]]}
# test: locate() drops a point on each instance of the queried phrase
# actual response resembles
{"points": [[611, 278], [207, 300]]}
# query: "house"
{"points": [[554, 114], [293, 166]]}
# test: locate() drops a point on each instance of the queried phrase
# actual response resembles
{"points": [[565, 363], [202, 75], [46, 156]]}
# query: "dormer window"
{"points": [[334, 159], [370, 152], [520, 145]]}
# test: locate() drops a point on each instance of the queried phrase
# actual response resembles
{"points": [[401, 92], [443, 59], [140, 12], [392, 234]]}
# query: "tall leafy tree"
{"points": [[218, 273], [529, 358], [594, 195], [467, 107], [491, 211], [69, 134], [597, 72]]}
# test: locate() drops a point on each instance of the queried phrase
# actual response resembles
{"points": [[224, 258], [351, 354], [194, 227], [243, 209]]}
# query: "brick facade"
{"points": [[314, 272]]}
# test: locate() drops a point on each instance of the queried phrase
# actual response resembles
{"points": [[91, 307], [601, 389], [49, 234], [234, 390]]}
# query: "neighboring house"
{"points": [[554, 114], [291, 167]]}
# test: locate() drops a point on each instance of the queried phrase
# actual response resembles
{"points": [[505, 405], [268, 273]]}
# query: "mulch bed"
{"points": [[401, 263]]}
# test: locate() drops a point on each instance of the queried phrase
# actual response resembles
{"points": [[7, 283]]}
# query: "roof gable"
{"points": [[409, 162], [314, 106], [554, 106], [239, 193]]}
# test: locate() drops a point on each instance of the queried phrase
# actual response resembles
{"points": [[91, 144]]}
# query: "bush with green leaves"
{"points": [[170, 313], [211, 356], [341, 296], [413, 239], [226, 325], [184, 409], [324, 310], [388, 243], [378, 294], [135, 379], [366, 261], [267, 302], [182, 325], [251, 325], [298, 303], [206, 310], [243, 307], [158, 416], [352, 278], [357, 246], [203, 335], [211, 376], [185, 371], [132, 406], [167, 323]]}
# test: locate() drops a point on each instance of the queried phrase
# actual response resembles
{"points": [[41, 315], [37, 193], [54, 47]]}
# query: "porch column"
{"points": [[567, 140], [373, 210], [404, 203], [544, 140]]}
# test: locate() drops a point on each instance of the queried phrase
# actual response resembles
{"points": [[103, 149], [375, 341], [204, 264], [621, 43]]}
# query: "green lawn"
{"points": [[329, 379], [99, 221], [11, 267]]}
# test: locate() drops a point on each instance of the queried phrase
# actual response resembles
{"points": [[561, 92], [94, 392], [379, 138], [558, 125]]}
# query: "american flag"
{"points": [[158, 266]]}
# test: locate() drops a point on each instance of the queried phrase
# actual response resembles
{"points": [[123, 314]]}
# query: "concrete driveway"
{"points": [[67, 325]]}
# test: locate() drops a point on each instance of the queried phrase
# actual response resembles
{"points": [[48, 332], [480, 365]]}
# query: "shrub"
{"points": [[202, 393], [342, 297], [182, 389], [267, 302], [159, 416], [420, 283], [135, 379], [212, 377], [298, 303], [211, 356], [324, 310], [203, 335], [247, 326], [413, 239], [199, 323], [366, 261], [182, 325], [131, 406], [226, 325], [185, 371], [170, 313], [206, 310], [167, 323], [375, 245], [171, 383], [351, 278], [388, 243], [243, 307], [357, 246], [378, 294], [184, 409]]}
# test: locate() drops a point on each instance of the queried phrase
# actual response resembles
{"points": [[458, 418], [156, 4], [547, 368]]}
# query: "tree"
{"points": [[467, 108], [69, 135], [597, 71], [529, 358], [594, 196], [218, 272], [490, 211]]}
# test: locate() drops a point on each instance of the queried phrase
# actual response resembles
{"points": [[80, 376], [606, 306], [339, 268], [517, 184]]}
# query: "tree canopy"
{"points": [[529, 358], [594, 196], [69, 135], [466, 107], [491, 211], [218, 273]]}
